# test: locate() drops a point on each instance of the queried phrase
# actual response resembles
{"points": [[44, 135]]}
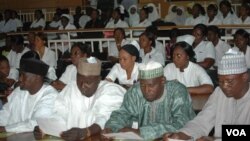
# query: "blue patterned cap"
{"points": [[233, 62]]}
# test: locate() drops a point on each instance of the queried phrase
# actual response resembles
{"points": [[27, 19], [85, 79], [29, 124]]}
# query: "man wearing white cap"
{"points": [[154, 106], [185, 70], [31, 100], [86, 104], [229, 104]]}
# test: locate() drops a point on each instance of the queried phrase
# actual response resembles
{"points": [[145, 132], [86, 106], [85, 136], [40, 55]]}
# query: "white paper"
{"points": [[124, 135], [51, 126], [169, 139], [91, 60]]}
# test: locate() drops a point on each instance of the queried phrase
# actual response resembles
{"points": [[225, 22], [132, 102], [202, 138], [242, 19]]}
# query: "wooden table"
{"points": [[30, 137]]}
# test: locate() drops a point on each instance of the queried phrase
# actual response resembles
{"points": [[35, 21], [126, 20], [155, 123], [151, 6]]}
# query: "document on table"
{"points": [[124, 135], [51, 126], [169, 139], [5, 134]]}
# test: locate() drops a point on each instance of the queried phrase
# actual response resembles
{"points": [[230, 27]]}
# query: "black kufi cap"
{"points": [[34, 66]]}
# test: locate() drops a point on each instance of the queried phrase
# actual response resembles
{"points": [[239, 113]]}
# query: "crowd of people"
{"points": [[147, 90]]}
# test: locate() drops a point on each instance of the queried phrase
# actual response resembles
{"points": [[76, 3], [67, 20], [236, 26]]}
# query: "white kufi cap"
{"points": [[233, 62], [150, 70]]}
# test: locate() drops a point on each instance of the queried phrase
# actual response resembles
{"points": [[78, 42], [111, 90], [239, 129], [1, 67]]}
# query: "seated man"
{"points": [[32, 99], [155, 105], [229, 103], [86, 104]]}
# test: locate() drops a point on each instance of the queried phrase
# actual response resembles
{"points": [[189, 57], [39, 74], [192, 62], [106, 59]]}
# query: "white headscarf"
{"points": [[171, 15], [180, 19], [154, 15], [133, 18]]}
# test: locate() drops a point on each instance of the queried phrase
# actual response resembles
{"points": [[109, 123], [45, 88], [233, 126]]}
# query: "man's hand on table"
{"points": [[2, 129], [38, 133], [74, 134]]}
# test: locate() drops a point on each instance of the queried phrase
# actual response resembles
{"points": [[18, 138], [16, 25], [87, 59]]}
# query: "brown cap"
{"points": [[89, 66]]}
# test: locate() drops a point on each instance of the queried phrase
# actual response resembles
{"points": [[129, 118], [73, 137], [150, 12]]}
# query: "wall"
{"points": [[34, 4]]}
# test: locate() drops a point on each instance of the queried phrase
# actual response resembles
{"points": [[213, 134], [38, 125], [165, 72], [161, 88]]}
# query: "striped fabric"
{"points": [[233, 62]]}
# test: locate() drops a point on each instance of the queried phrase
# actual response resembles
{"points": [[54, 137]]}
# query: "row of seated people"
{"points": [[147, 16], [93, 17], [207, 53], [150, 107], [146, 51], [221, 14], [63, 20]]}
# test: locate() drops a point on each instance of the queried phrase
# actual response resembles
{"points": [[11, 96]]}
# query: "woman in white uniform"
{"points": [[204, 50], [227, 14], [153, 13], [148, 51], [180, 16], [185, 70], [46, 55], [221, 47], [241, 39], [39, 22], [142, 22], [244, 17], [126, 71], [66, 25], [114, 47], [8, 76], [212, 18], [133, 15], [118, 16], [171, 13], [78, 50], [198, 15]]}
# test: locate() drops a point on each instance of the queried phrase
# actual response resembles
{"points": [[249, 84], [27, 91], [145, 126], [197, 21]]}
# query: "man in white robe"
{"points": [[86, 104], [228, 105], [31, 100]]}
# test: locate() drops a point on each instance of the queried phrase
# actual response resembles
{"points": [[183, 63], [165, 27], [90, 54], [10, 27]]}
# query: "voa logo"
{"points": [[236, 132]]}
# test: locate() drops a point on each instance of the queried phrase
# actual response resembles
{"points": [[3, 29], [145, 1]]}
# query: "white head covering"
{"points": [[150, 70], [122, 9], [136, 44], [233, 62], [181, 8], [189, 39], [171, 15], [154, 15], [66, 16], [180, 19], [100, 11], [133, 18]]}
